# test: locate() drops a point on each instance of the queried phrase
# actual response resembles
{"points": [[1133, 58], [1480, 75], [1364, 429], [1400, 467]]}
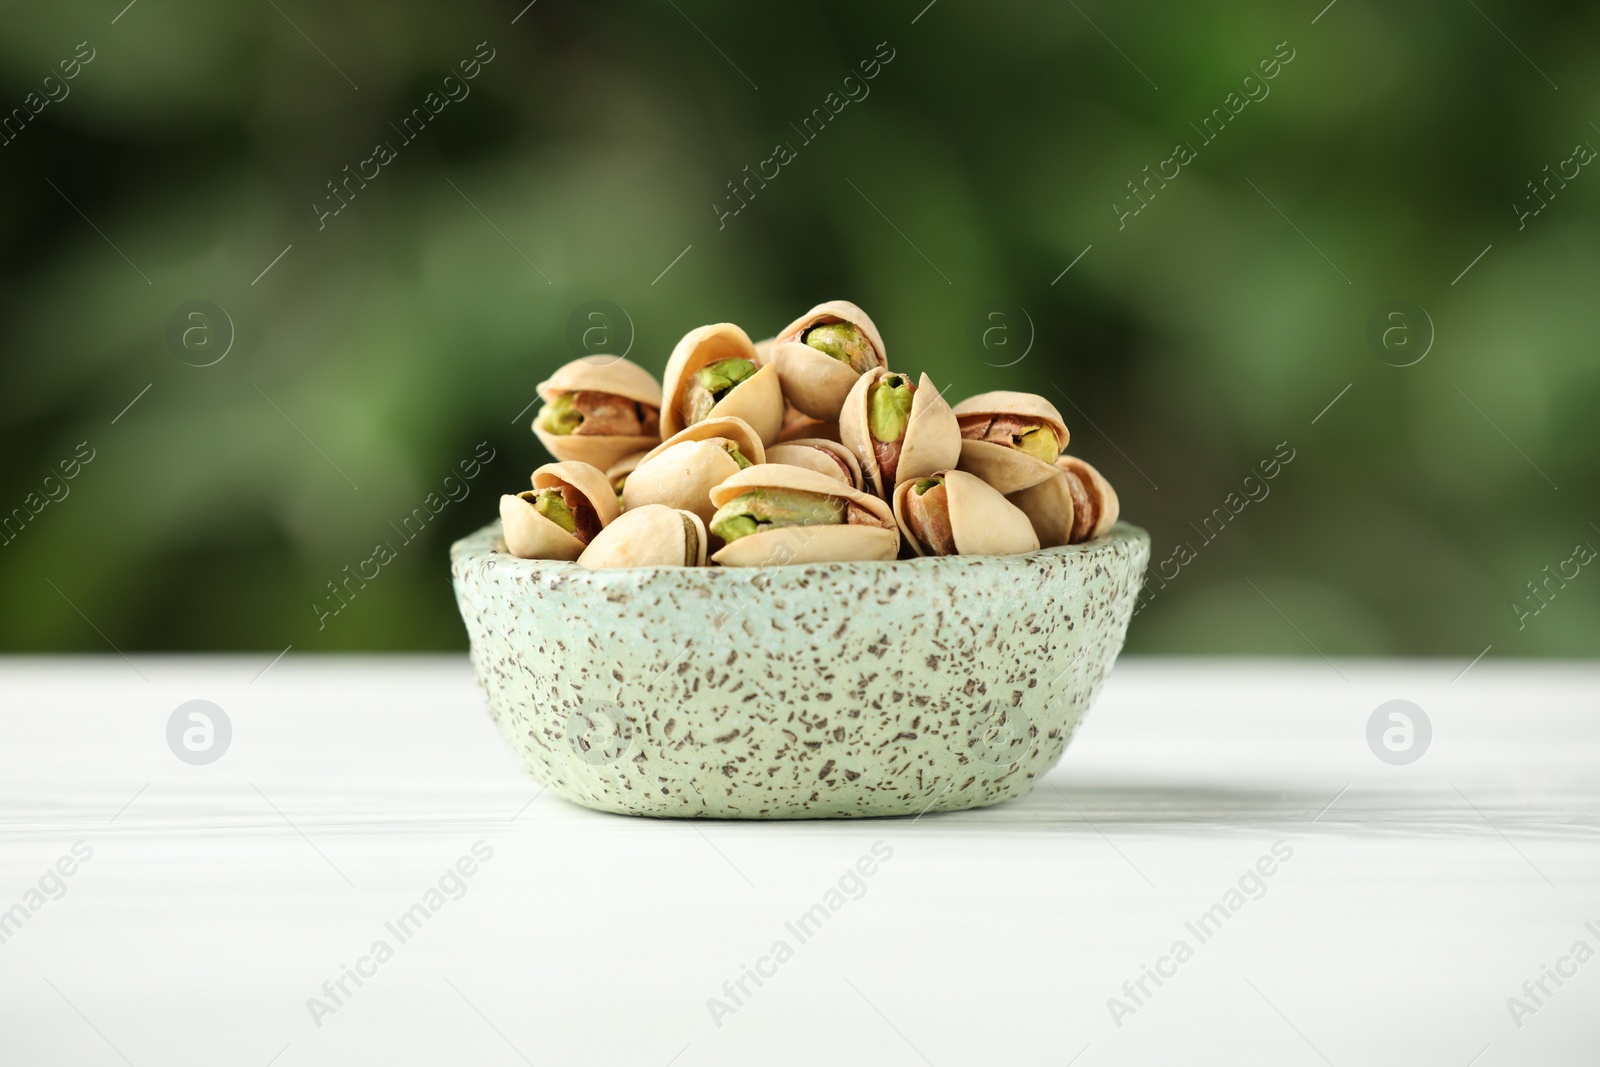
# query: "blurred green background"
{"points": [[593, 152]]}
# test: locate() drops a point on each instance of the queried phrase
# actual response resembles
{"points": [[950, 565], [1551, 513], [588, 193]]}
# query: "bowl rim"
{"points": [[477, 551]]}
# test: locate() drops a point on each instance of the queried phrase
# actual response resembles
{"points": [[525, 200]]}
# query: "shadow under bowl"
{"points": [[824, 690]]}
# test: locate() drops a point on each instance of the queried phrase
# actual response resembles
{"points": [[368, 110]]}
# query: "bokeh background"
{"points": [[590, 162]]}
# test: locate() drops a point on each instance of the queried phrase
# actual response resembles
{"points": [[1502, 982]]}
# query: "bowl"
{"points": [[825, 690]]}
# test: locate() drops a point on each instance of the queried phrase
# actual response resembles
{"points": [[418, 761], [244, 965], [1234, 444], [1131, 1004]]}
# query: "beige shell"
{"points": [[1000, 465], [982, 522], [600, 374], [806, 544], [728, 427], [586, 479], [1103, 502], [1006, 402], [1051, 507], [603, 374], [814, 382], [530, 535], [813, 453], [649, 536], [681, 477], [757, 400], [598, 450], [932, 440]]}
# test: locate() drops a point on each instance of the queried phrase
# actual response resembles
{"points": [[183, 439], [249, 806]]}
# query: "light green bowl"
{"points": [[825, 690]]}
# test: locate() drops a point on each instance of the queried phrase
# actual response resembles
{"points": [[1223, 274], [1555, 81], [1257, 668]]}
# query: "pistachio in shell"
{"points": [[682, 470], [653, 535], [821, 455], [1100, 505], [820, 355], [598, 409], [951, 512], [569, 505], [775, 514], [716, 371], [1010, 440], [898, 430]]}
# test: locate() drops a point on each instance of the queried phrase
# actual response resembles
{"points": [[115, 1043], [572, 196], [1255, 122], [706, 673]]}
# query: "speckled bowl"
{"points": [[824, 690]]}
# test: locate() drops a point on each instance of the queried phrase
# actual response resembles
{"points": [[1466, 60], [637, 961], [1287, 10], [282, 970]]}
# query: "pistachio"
{"points": [[1099, 506], [844, 342], [927, 512], [820, 355], [821, 455], [1010, 439], [1039, 442], [898, 430], [682, 470], [716, 371], [570, 503], [653, 535], [956, 513], [560, 416], [713, 382], [598, 409], [773, 514], [548, 503], [889, 407], [764, 509]]}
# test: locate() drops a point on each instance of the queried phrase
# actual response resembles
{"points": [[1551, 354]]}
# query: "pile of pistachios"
{"points": [[803, 448]]}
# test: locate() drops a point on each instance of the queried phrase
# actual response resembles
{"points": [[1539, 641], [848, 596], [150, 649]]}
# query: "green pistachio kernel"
{"points": [[842, 341], [762, 509], [559, 416], [712, 382], [1040, 443], [924, 484], [732, 527], [548, 503], [738, 456], [889, 407]]}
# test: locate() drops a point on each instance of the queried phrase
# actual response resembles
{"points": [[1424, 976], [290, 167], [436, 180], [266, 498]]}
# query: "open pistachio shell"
{"points": [[1103, 506], [587, 480], [813, 381], [680, 471], [599, 374], [821, 455], [603, 374], [726, 427], [1052, 505], [1002, 466], [650, 536], [758, 400], [529, 535], [681, 476], [931, 442], [982, 522], [879, 540]]}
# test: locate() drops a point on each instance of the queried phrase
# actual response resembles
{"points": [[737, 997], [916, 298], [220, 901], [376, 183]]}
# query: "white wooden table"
{"points": [[1404, 905]]}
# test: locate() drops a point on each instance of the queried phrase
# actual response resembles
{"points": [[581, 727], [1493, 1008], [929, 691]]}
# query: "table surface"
{"points": [[212, 911]]}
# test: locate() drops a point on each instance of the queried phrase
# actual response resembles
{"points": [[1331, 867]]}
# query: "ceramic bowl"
{"points": [[825, 690]]}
